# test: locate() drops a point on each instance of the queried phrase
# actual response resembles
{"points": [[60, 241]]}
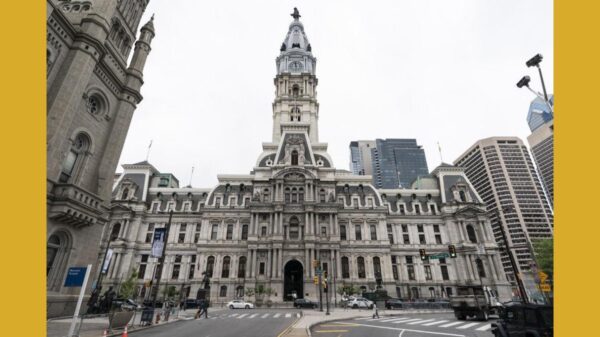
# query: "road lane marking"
{"points": [[484, 328], [466, 326], [264, 316], [241, 316], [253, 315], [277, 315], [435, 323], [412, 330], [288, 315], [451, 324], [420, 322], [329, 331], [401, 332]]}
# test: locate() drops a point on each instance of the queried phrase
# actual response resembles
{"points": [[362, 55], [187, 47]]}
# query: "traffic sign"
{"points": [[543, 276], [545, 287], [439, 256], [75, 277]]}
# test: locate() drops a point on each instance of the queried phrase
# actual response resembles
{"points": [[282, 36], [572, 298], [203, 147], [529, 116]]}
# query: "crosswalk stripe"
{"points": [[451, 324], [466, 326], [389, 320], [420, 322], [264, 316], [233, 315], [435, 323], [288, 315], [361, 318], [276, 315], [400, 320], [410, 320], [297, 314], [242, 316], [484, 328], [253, 315]]}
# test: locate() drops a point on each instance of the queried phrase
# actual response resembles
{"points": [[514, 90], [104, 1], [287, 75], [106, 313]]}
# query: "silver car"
{"points": [[240, 304]]}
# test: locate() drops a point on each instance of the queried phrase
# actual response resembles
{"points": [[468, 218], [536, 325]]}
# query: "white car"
{"points": [[360, 302], [240, 304]]}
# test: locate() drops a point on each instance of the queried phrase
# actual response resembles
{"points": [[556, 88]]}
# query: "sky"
{"points": [[435, 70]]}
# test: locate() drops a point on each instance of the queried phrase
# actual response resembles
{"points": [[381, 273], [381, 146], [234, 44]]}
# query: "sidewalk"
{"points": [[312, 317], [95, 326]]}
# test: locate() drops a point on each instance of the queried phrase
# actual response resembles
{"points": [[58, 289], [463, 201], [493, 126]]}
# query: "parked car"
{"points": [[518, 319], [305, 303], [393, 303], [360, 302], [240, 304], [191, 303]]}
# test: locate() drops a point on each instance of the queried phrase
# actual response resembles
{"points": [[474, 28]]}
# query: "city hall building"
{"points": [[267, 227]]}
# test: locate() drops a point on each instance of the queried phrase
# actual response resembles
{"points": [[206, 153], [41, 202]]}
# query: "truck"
{"points": [[475, 301]]}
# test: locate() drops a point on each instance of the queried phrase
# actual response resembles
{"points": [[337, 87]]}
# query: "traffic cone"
{"points": [[124, 332]]}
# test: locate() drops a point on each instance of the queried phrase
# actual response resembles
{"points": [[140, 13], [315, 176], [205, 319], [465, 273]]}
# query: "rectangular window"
{"points": [[410, 269], [395, 271], [357, 232], [182, 230], [229, 232], [404, 228], [197, 234], [343, 233], [154, 208], [215, 231], [191, 272], [428, 275], [402, 210], [263, 231], [406, 239], [444, 270], [438, 238], [390, 234], [417, 209], [245, 232], [176, 267], [142, 270], [432, 209], [420, 228], [323, 231], [149, 233], [217, 202], [422, 239], [436, 228], [373, 232], [261, 268]]}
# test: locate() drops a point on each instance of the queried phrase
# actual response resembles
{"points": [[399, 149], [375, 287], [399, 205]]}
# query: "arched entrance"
{"points": [[293, 280]]}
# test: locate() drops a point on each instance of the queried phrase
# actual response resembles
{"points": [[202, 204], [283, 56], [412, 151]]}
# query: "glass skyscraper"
{"points": [[539, 113]]}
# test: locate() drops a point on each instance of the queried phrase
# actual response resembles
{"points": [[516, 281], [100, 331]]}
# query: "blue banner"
{"points": [[159, 241], [75, 277]]}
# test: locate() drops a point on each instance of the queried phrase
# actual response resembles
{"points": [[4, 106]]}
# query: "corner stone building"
{"points": [[294, 207], [91, 95]]}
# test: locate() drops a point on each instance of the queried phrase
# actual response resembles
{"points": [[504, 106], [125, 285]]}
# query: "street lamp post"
{"points": [[513, 264], [524, 81]]}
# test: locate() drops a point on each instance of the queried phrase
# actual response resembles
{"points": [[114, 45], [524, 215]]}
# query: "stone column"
{"points": [[338, 263], [280, 262], [307, 265], [469, 263], [492, 268], [252, 225], [269, 264]]}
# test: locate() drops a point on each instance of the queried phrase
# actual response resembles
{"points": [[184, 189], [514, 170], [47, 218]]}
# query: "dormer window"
{"points": [[294, 157], [125, 194]]}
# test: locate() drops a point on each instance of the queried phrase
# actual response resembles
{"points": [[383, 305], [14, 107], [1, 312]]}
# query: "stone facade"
{"points": [[91, 95], [267, 227]]}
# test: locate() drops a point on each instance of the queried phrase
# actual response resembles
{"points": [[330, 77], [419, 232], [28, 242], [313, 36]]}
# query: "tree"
{"points": [[169, 292], [544, 254], [127, 288], [348, 289]]}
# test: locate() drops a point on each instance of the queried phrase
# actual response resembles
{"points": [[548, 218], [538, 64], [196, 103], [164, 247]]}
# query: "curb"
{"points": [[290, 327]]}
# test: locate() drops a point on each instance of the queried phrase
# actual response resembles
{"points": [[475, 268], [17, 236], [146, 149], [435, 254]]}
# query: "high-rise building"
{"points": [[92, 93], [393, 163], [503, 174], [541, 142], [539, 112]]}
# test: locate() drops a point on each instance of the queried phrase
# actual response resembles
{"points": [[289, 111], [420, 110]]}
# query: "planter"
{"points": [[119, 319]]}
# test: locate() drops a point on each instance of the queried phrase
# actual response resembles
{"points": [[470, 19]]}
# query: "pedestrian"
{"points": [[205, 308], [375, 312], [200, 309]]}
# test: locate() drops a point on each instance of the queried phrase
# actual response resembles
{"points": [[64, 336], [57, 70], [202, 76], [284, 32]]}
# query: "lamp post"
{"points": [[524, 81], [513, 264]]}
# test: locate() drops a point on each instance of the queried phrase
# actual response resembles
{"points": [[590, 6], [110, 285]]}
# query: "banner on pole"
{"points": [[106, 263], [159, 241]]}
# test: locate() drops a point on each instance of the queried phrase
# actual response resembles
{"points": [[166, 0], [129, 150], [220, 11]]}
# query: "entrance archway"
{"points": [[293, 280]]}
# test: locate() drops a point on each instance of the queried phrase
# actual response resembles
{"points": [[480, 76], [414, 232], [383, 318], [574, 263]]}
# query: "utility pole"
{"points": [[161, 261]]}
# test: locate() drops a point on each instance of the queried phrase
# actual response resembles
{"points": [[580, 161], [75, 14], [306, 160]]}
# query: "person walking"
{"points": [[200, 309], [375, 311], [205, 308]]}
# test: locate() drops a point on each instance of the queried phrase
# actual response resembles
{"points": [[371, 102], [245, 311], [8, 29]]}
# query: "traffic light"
{"points": [[452, 251], [316, 280], [423, 254], [325, 285], [325, 275]]}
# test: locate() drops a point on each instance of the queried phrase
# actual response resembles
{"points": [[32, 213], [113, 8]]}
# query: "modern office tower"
{"points": [[541, 142], [539, 113], [361, 162], [503, 174], [94, 74]]}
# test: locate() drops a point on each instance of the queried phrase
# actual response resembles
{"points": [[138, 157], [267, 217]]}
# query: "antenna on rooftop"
{"points": [[191, 176], [148, 152]]}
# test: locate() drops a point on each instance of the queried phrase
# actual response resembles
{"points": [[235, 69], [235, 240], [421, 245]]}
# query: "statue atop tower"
{"points": [[296, 15]]}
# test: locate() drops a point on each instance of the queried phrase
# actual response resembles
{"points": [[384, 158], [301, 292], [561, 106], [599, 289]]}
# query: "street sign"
{"points": [[543, 276], [75, 276], [319, 271], [438, 256], [545, 287]]}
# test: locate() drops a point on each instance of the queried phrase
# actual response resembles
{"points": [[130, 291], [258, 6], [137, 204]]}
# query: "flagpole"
{"points": [[148, 152], [440, 150]]}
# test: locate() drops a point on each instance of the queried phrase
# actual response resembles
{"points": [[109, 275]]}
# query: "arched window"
{"points": [[125, 194], [239, 292], [463, 196], [414, 292], [294, 228], [242, 267], [114, 233], [210, 266], [51, 252], [360, 261], [294, 157], [345, 267], [471, 234], [295, 114], [226, 264], [73, 160], [57, 256], [377, 267], [223, 291], [480, 268]]}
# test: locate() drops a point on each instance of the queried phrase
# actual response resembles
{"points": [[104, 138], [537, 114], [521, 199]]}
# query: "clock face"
{"points": [[295, 66]]}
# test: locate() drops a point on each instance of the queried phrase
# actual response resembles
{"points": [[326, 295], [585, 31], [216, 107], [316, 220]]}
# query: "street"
{"points": [[417, 325], [228, 323]]}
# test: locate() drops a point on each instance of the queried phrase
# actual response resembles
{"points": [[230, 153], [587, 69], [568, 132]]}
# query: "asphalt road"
{"points": [[419, 325], [228, 323]]}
